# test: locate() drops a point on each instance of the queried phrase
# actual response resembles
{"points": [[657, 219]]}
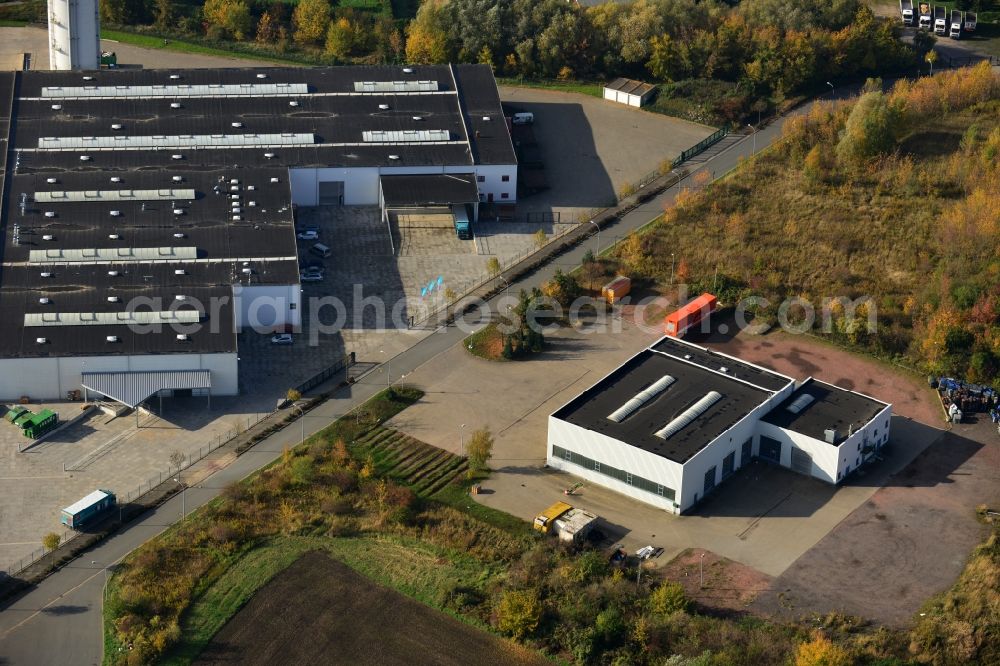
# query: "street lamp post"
{"points": [[388, 370], [598, 253], [831, 89], [671, 269], [754, 150], [461, 433], [105, 591], [701, 569], [183, 498]]}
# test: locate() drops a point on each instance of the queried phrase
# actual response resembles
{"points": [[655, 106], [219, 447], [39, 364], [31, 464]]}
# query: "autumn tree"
{"points": [[540, 239], [563, 288], [820, 651], [51, 541], [267, 29], [164, 14], [340, 38], [426, 41], [870, 129], [479, 450], [493, 266], [230, 17], [668, 598], [310, 21], [518, 613]]}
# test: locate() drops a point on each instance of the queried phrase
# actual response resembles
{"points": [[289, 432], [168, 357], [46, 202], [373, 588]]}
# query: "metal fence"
{"points": [[322, 376], [701, 146]]}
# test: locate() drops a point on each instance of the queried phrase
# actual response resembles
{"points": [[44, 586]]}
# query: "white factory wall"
{"points": [[609, 451], [268, 307], [51, 378], [361, 185], [876, 432], [716, 451], [74, 34]]}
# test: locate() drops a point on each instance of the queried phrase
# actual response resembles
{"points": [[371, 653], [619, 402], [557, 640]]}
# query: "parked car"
{"points": [[299, 228], [313, 276], [281, 339], [309, 235]]}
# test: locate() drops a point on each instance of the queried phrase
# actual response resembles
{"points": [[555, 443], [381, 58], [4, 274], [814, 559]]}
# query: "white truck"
{"points": [[955, 31], [906, 11], [940, 20], [924, 15], [970, 21]]}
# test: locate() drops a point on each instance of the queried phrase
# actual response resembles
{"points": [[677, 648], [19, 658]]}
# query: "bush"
{"points": [[667, 599], [821, 652], [518, 613]]}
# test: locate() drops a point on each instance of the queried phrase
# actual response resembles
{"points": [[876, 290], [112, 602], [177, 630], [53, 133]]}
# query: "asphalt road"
{"points": [[58, 623]]}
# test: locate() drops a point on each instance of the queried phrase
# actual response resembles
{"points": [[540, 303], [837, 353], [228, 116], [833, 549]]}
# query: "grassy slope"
{"points": [[151, 42]]}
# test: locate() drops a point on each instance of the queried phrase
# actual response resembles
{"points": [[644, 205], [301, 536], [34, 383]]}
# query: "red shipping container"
{"points": [[677, 323]]}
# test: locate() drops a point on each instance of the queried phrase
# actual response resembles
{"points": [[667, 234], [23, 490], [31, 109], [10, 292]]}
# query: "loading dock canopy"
{"points": [[131, 388], [429, 190]]}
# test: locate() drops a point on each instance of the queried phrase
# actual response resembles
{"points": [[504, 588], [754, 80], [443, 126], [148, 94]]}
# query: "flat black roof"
{"points": [[830, 407], [714, 361], [463, 103], [429, 189], [591, 409]]}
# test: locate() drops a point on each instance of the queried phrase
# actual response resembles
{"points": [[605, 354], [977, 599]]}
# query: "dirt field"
{"points": [[729, 585], [907, 543], [801, 357], [319, 611]]}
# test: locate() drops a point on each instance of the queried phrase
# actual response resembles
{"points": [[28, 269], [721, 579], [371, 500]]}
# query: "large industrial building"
{"points": [[676, 420], [148, 215]]}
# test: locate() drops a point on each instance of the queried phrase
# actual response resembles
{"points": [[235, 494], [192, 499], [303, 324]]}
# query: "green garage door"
{"points": [[770, 449], [801, 461]]}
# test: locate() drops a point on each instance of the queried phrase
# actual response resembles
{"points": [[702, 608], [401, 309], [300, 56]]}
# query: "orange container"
{"points": [[617, 289], [677, 323]]}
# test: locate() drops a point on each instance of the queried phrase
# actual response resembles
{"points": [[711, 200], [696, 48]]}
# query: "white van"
{"points": [[522, 119]]}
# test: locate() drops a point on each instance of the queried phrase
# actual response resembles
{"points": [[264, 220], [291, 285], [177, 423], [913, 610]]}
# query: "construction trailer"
{"points": [[616, 290], [574, 526], [545, 520], [87, 509]]}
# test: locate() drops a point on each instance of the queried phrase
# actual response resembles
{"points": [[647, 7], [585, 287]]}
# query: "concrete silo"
{"points": [[74, 34]]}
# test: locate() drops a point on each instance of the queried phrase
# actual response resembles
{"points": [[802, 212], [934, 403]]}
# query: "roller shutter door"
{"points": [[770, 450], [709, 480], [801, 462], [331, 193]]}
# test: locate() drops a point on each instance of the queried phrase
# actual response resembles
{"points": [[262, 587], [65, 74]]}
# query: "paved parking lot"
{"points": [[592, 148], [764, 517]]}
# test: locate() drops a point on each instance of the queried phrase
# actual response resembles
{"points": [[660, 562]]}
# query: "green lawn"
{"points": [[153, 42], [581, 87]]}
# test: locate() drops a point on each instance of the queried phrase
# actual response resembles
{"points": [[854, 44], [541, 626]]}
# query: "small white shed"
{"points": [[629, 91]]}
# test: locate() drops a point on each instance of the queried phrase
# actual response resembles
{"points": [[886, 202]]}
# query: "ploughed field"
{"points": [[319, 611]]}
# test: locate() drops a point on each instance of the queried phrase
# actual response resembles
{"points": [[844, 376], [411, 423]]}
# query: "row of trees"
{"points": [[775, 47]]}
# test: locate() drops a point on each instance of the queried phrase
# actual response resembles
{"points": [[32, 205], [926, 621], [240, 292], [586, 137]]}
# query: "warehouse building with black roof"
{"points": [[148, 215], [676, 420]]}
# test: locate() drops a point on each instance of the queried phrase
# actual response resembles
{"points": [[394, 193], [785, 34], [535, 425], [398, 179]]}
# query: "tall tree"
{"points": [[310, 21], [230, 16]]}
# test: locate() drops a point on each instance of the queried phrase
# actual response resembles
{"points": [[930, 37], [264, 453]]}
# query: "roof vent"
{"points": [[175, 105], [269, 155], [262, 76], [178, 235], [48, 237], [176, 156], [57, 107], [84, 158], [274, 180], [251, 188], [88, 78], [177, 179], [113, 236], [50, 213], [687, 357], [178, 211], [113, 273], [251, 203], [116, 126], [723, 369], [180, 297], [417, 118], [181, 337], [116, 213], [247, 271], [46, 274], [384, 107], [393, 157], [116, 179], [112, 338], [41, 341], [237, 209], [237, 124], [175, 76], [180, 271], [408, 70], [293, 103], [44, 301], [234, 181], [236, 218], [486, 119], [51, 181], [113, 299]]}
